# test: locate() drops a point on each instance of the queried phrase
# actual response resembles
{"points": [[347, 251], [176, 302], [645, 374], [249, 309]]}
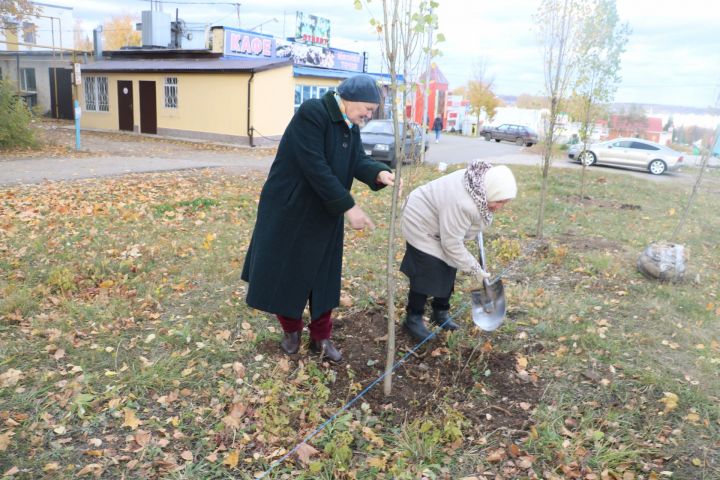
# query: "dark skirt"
{"points": [[428, 274]]}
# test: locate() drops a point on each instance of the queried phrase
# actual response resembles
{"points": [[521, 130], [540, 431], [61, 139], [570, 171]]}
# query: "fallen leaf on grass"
{"points": [[11, 472], [378, 462], [670, 400], [231, 459], [496, 456], [5, 440], [10, 377], [51, 467], [91, 469], [522, 362], [692, 417], [304, 452], [187, 455], [131, 421]]}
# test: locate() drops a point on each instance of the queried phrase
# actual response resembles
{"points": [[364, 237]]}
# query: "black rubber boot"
{"points": [[290, 343], [442, 318], [327, 349], [415, 325]]}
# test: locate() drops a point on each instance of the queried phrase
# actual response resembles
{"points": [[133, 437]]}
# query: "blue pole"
{"points": [[77, 125]]}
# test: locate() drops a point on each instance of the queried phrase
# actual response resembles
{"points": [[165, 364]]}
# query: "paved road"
{"points": [[452, 149], [36, 170]]}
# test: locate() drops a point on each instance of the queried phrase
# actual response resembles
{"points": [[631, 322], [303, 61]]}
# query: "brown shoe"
{"points": [[327, 349], [290, 343]]}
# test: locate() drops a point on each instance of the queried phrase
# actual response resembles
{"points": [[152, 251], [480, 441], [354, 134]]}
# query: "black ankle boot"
{"points": [[327, 349], [442, 318], [290, 343], [415, 325]]}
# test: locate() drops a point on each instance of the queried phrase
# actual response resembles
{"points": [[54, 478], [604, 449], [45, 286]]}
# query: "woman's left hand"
{"points": [[385, 178]]}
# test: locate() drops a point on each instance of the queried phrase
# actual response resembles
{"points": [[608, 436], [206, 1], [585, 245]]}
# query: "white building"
{"points": [[41, 32], [35, 54]]}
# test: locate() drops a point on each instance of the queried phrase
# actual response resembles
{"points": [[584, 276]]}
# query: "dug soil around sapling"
{"points": [[487, 385]]}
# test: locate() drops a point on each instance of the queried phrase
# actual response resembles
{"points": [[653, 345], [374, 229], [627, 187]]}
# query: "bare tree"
{"points": [[480, 94], [404, 26], [559, 25], [603, 42]]}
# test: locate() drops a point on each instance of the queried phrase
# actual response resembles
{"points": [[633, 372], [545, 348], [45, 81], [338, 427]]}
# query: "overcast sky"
{"points": [[672, 57]]}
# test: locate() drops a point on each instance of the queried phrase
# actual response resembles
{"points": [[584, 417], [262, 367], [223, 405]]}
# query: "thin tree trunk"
{"points": [[392, 59], [691, 200]]}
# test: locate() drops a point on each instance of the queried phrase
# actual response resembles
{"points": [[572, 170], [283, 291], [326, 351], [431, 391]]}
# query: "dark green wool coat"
{"points": [[297, 245]]}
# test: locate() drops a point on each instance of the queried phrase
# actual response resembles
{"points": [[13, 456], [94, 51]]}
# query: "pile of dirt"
{"points": [[483, 383]]}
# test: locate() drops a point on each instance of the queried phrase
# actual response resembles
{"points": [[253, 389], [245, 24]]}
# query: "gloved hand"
{"points": [[480, 275]]}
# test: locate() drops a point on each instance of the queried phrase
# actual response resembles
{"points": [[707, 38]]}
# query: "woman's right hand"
{"points": [[359, 219]]}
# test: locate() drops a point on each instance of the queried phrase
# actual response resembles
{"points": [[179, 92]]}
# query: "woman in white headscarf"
{"points": [[437, 220]]}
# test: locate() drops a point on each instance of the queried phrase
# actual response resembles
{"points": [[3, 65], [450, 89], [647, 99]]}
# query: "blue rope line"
{"points": [[359, 395]]}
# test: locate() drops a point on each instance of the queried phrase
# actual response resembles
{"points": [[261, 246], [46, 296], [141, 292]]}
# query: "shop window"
{"points": [[306, 92], [96, 94], [171, 92], [27, 80], [29, 32]]}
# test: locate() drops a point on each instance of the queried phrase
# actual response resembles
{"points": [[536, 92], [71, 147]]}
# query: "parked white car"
{"points": [[630, 153]]}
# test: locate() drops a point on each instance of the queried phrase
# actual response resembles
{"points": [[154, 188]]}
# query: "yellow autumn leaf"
{"points": [[377, 462], [231, 459], [131, 420], [671, 212], [697, 462], [692, 417], [106, 284], [522, 362], [208, 242], [51, 467], [670, 400]]}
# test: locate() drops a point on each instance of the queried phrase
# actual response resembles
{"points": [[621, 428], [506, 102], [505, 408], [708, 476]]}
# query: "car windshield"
{"points": [[379, 127]]}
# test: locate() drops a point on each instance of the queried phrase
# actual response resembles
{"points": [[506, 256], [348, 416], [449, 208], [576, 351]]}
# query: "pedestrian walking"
{"points": [[437, 127]]}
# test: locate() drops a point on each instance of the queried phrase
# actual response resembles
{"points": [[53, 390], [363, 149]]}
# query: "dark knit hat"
{"points": [[360, 88]]}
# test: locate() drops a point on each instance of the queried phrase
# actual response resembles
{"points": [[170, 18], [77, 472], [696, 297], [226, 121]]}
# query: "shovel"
{"points": [[488, 302]]}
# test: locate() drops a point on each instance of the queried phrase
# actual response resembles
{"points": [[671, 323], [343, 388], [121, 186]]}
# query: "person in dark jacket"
{"points": [[437, 127], [296, 250]]}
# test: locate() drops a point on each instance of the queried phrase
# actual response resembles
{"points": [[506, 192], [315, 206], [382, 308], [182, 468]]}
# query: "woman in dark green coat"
{"points": [[296, 251]]}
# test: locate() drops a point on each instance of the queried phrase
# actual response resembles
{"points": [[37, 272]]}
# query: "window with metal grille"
{"points": [[171, 92], [96, 94]]}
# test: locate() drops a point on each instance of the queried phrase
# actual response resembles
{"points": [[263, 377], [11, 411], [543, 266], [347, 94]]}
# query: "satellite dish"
{"points": [[189, 36]]}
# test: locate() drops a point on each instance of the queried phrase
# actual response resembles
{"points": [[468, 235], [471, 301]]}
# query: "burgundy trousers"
{"points": [[320, 328]]}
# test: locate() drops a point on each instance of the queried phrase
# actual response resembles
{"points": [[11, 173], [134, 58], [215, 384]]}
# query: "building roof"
{"points": [[218, 65], [305, 71]]}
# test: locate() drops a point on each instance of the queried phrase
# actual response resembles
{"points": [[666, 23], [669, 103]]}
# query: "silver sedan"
{"points": [[629, 152]]}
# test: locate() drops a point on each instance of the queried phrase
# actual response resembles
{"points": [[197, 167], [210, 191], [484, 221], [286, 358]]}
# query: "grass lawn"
{"points": [[127, 351]]}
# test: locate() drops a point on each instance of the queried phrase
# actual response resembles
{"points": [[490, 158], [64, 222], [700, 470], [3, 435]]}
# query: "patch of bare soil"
{"points": [[484, 385], [603, 203], [581, 242]]}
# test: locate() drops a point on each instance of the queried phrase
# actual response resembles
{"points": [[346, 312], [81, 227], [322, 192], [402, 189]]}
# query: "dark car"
{"points": [[379, 141], [519, 134]]}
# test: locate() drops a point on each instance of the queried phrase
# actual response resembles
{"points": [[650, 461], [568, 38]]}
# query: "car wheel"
{"points": [[497, 140], [657, 167], [587, 158], [519, 142], [488, 137]]}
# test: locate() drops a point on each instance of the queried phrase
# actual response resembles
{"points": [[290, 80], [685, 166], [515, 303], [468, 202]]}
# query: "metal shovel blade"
{"points": [[488, 305]]}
